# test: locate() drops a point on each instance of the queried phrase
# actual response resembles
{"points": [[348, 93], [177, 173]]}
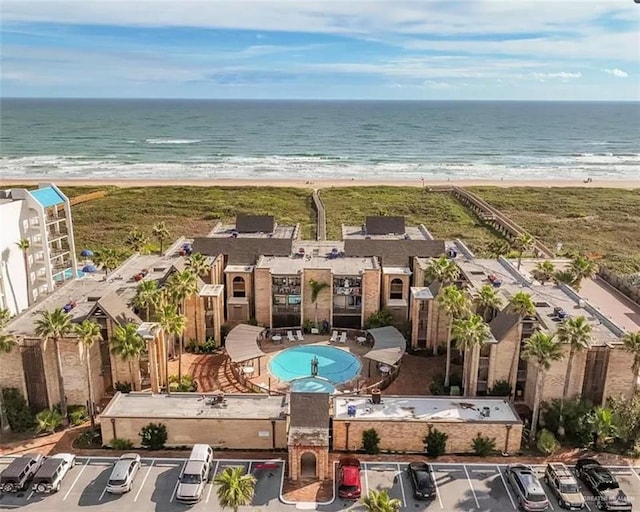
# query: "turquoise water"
{"points": [[335, 365], [313, 385], [176, 139]]}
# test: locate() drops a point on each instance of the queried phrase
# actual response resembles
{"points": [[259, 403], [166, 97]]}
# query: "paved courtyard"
{"points": [[460, 487]]}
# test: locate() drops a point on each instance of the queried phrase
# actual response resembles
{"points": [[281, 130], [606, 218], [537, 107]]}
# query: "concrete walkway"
{"points": [[321, 222]]}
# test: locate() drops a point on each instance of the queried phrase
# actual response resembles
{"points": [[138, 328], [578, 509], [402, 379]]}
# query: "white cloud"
{"points": [[616, 72], [562, 75], [432, 84]]}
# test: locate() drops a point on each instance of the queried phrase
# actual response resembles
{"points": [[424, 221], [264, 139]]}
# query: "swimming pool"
{"points": [[312, 385], [335, 365]]}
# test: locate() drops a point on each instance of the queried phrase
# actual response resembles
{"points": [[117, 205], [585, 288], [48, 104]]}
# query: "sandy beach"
{"points": [[317, 184]]}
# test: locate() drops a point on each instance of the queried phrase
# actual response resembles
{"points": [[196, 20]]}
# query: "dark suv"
{"points": [[424, 488], [604, 485], [17, 475]]}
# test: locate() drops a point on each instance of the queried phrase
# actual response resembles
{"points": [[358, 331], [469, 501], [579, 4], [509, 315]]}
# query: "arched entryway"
{"points": [[308, 465]]}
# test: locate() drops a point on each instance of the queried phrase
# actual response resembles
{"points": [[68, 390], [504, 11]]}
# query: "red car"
{"points": [[349, 486]]}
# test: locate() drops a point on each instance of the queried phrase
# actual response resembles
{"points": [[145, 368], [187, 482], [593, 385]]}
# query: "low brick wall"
{"points": [[407, 436]]}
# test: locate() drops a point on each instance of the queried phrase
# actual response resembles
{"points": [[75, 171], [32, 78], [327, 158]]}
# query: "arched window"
{"points": [[397, 289], [238, 287]]}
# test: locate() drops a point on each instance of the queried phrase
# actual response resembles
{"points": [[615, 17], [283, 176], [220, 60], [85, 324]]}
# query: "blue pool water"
{"points": [[335, 365], [313, 385]]}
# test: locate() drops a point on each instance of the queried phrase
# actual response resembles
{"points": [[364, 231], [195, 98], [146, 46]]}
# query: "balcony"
{"points": [[347, 311], [52, 219], [285, 290], [285, 310]]}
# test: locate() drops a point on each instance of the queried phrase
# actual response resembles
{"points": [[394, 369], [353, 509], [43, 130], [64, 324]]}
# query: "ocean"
{"points": [[364, 140]]}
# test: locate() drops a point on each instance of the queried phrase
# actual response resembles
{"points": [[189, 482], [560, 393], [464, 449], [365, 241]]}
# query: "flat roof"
{"points": [[227, 231], [195, 405], [546, 297], [432, 409], [410, 233], [290, 265]]}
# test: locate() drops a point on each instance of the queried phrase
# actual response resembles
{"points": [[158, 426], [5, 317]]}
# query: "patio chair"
{"points": [[299, 335], [334, 337], [290, 336], [343, 337]]}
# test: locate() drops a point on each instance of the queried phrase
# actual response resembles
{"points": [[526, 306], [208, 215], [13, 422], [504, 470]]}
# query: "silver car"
{"points": [[124, 471]]}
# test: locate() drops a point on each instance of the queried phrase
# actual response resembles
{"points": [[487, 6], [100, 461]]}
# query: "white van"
{"points": [[195, 474]]}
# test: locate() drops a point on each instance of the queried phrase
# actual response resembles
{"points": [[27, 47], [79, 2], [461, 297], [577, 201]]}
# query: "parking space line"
{"points": [[471, 487], [366, 479], [633, 470], [404, 498], [103, 491], [215, 471], [249, 468], [433, 475], [506, 488], [144, 480], [77, 478], [30, 495], [175, 487]]}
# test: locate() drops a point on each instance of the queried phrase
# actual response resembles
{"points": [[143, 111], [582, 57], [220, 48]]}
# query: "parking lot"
{"points": [[154, 488], [477, 487], [460, 487]]}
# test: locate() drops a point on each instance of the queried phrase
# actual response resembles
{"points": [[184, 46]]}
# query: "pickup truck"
{"points": [[604, 486]]}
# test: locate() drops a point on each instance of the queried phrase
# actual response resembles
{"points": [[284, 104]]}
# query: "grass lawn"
{"points": [[188, 211], [441, 214], [605, 221]]}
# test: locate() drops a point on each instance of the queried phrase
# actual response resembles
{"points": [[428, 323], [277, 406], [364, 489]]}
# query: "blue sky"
{"points": [[328, 49]]}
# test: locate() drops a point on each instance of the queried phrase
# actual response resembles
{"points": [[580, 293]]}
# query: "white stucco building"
{"points": [[43, 217]]}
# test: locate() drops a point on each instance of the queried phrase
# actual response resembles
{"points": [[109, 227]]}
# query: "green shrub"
{"points": [[209, 346], [77, 414], [154, 435], [123, 387], [547, 442], [91, 438], [500, 388], [435, 442], [49, 420], [380, 318], [307, 325], [370, 441], [188, 384], [193, 347], [436, 386], [574, 414], [21, 418], [626, 412], [224, 330], [483, 446], [121, 444]]}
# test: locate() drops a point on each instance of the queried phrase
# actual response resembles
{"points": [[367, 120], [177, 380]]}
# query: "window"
{"points": [[397, 289], [238, 287]]}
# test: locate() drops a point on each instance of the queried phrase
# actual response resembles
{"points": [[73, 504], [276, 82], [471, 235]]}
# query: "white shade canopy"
{"points": [[242, 343], [389, 345]]}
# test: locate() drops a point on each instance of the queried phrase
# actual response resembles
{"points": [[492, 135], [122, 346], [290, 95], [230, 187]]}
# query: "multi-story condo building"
{"points": [[41, 220]]}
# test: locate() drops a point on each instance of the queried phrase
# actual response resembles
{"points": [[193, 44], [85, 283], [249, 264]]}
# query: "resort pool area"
{"points": [[312, 385], [334, 365]]}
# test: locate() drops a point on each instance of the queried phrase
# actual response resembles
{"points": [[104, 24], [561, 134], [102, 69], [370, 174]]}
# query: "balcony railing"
{"points": [[347, 311], [285, 310]]}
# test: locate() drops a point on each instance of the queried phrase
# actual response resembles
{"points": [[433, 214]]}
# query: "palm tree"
{"points": [[88, 332], [128, 345], [108, 258], [54, 325], [564, 277], [316, 288], [604, 425], [631, 342], [577, 333], [441, 269], [235, 488], [524, 242], [544, 271], [136, 239], [7, 342], [24, 245], [181, 286], [487, 302], [454, 304], [161, 232], [200, 265], [173, 324], [542, 349], [499, 248], [380, 501], [469, 333], [146, 295], [521, 304], [582, 268]]}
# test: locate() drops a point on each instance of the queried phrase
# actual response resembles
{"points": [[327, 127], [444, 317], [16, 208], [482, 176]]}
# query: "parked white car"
{"points": [[123, 474], [53, 470]]}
